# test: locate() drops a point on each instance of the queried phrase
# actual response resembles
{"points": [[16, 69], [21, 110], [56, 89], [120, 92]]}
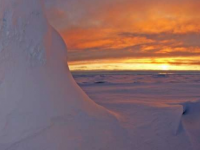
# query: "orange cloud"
{"points": [[116, 30]]}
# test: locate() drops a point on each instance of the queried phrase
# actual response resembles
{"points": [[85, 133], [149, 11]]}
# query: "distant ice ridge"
{"points": [[148, 77], [42, 108]]}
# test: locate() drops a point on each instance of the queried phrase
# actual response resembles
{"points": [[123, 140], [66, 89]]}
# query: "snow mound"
{"points": [[191, 121], [41, 105]]}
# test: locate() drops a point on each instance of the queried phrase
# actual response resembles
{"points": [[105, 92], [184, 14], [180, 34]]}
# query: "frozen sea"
{"points": [[158, 109], [140, 86]]}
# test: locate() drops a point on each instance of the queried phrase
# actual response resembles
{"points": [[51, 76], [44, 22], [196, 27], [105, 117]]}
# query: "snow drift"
{"points": [[191, 121], [41, 106]]}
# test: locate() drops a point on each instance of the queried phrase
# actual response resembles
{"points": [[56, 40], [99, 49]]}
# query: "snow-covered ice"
{"points": [[42, 107], [147, 86], [160, 110]]}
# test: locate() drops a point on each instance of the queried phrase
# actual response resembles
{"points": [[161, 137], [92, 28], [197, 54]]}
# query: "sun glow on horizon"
{"points": [[162, 64], [121, 66], [165, 67]]}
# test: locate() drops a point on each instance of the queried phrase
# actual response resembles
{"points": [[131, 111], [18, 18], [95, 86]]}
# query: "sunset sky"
{"points": [[129, 34]]}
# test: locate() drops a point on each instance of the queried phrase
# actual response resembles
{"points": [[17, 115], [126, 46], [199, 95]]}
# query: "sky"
{"points": [[128, 34]]}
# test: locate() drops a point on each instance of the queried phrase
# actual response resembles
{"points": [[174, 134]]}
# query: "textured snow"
{"points": [[159, 111], [41, 105], [43, 108]]}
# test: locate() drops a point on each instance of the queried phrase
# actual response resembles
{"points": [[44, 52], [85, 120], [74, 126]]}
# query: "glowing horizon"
{"points": [[129, 34], [133, 64]]}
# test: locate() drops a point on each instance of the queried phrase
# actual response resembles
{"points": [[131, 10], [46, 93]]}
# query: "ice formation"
{"points": [[41, 105]]}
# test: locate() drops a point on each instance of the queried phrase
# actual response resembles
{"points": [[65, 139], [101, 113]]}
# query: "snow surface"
{"points": [[42, 107], [158, 110]]}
